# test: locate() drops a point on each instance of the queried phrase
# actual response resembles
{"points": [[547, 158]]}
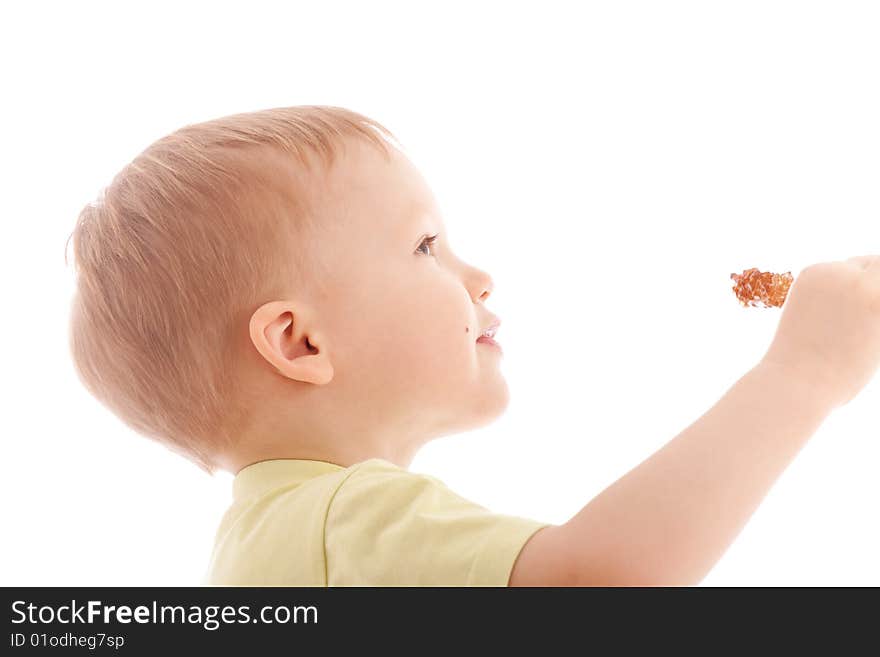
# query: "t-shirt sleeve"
{"points": [[387, 526]]}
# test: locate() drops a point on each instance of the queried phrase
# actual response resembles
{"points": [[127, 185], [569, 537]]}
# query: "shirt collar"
{"points": [[264, 476]]}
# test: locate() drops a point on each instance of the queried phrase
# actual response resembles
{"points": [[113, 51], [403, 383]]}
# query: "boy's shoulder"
{"points": [[387, 525]]}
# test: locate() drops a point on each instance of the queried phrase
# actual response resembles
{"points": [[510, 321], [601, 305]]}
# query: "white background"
{"points": [[609, 163]]}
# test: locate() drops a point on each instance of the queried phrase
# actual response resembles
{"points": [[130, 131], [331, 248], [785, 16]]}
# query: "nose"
{"points": [[481, 284]]}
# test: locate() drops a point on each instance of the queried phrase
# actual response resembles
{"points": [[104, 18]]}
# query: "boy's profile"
{"points": [[274, 294]]}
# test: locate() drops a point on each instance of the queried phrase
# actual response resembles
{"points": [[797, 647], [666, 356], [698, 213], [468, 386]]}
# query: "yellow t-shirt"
{"points": [[300, 522]]}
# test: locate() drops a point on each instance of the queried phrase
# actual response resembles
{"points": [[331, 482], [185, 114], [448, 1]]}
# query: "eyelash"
{"points": [[429, 240]]}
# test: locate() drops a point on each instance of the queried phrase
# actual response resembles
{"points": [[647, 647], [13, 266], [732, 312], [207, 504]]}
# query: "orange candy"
{"points": [[761, 289]]}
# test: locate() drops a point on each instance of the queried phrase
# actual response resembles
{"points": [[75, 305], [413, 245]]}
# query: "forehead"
{"points": [[368, 190]]}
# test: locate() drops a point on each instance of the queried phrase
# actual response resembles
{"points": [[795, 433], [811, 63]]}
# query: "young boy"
{"points": [[274, 294]]}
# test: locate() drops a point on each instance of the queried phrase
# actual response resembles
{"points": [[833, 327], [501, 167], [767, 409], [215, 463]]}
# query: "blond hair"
{"points": [[189, 238]]}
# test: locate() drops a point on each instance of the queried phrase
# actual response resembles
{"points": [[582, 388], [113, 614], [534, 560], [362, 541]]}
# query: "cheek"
{"points": [[411, 330], [430, 331], [441, 318]]}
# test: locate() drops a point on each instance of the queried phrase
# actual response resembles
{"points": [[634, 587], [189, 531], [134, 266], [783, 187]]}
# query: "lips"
{"points": [[489, 342], [487, 337]]}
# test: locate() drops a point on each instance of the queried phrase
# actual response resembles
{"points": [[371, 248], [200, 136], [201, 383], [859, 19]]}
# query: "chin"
{"points": [[490, 405]]}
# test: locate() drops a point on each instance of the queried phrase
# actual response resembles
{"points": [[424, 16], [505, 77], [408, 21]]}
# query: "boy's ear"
{"points": [[279, 331]]}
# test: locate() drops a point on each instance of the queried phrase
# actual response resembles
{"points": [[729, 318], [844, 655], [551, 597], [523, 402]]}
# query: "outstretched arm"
{"points": [[669, 520]]}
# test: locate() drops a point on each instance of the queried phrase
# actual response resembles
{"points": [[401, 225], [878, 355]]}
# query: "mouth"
{"points": [[488, 335], [486, 340]]}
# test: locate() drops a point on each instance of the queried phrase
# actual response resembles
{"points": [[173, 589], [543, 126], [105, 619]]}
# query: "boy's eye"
{"points": [[429, 241]]}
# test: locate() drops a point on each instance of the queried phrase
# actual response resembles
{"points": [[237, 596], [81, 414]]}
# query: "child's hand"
{"points": [[829, 331]]}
